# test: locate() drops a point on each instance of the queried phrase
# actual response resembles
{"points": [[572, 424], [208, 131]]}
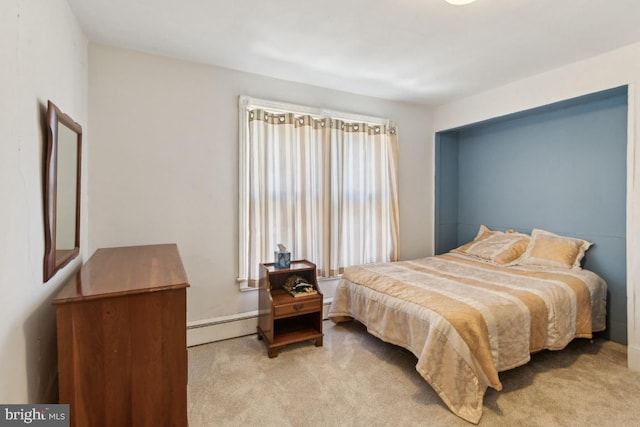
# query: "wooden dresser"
{"points": [[122, 339]]}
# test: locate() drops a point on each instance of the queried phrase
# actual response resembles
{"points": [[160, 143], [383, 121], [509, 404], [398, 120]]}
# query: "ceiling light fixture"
{"points": [[459, 2]]}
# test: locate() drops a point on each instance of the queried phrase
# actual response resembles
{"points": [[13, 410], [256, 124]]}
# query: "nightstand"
{"points": [[284, 319]]}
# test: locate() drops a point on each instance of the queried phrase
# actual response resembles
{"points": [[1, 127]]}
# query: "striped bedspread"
{"points": [[466, 320]]}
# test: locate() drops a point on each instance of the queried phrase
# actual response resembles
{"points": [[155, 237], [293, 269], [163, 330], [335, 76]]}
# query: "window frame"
{"points": [[245, 104]]}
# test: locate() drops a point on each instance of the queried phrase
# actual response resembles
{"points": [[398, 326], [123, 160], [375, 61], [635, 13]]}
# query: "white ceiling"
{"points": [[423, 51]]}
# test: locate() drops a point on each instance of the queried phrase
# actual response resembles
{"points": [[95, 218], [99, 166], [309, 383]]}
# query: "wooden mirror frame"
{"points": [[55, 259]]}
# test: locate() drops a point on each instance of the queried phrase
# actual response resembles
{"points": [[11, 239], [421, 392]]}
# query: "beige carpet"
{"points": [[357, 380]]}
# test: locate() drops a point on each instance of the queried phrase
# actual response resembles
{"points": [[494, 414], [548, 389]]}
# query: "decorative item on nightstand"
{"points": [[282, 258], [297, 286]]}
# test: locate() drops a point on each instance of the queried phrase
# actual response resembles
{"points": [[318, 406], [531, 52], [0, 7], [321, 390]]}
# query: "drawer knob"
{"points": [[298, 307]]}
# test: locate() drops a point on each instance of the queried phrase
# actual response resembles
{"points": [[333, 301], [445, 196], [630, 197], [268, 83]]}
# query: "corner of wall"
{"points": [[633, 357]]}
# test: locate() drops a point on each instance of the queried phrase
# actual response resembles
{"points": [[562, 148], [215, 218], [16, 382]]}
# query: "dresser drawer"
{"points": [[298, 307]]}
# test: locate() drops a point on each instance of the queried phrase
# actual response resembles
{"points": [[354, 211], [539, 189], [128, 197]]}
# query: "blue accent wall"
{"points": [[561, 168]]}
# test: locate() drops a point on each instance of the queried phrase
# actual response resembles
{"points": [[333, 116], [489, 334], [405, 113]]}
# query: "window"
{"points": [[322, 183]]}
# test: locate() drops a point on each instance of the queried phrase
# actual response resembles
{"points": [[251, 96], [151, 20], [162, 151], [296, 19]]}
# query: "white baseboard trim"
{"points": [[232, 326]]}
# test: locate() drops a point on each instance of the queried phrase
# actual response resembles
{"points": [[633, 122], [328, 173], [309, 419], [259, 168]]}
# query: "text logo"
{"points": [[54, 415]]}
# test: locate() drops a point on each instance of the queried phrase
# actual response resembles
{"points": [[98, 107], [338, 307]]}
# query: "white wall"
{"points": [[43, 55], [616, 68], [164, 166]]}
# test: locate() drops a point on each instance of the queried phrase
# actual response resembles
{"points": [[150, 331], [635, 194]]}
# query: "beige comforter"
{"points": [[467, 320]]}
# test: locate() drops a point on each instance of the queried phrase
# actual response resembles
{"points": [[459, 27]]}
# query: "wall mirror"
{"points": [[61, 190]]}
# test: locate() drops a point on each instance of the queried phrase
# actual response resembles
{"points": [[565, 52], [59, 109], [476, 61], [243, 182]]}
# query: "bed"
{"points": [[478, 310]]}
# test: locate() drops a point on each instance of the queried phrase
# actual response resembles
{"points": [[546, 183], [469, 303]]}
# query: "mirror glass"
{"points": [[62, 190], [66, 176]]}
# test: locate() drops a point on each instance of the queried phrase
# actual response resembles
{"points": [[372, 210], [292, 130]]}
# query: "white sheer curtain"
{"points": [[364, 195], [324, 187]]}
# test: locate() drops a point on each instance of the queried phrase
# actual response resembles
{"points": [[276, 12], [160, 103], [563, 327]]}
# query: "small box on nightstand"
{"points": [[282, 259]]}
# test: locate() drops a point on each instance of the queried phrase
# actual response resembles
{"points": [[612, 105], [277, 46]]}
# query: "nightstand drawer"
{"points": [[298, 307]]}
